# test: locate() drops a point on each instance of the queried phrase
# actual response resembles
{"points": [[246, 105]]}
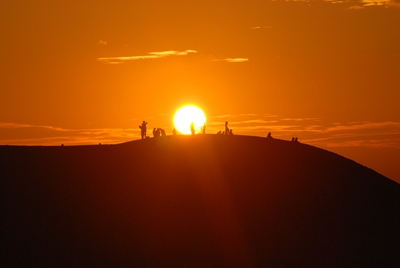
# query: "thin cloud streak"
{"points": [[151, 55], [364, 125], [233, 60], [49, 135], [313, 131], [355, 4], [102, 43], [261, 27]]}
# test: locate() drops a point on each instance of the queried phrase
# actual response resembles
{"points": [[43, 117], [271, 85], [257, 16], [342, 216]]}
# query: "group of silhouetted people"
{"points": [[157, 132], [227, 130], [269, 136], [230, 132]]}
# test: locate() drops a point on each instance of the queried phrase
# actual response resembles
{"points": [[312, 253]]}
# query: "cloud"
{"points": [[364, 126], [366, 134], [233, 60], [371, 3], [101, 42], [314, 131], [261, 27], [236, 59], [359, 4], [357, 7], [301, 119], [26, 134], [367, 3], [150, 55]]}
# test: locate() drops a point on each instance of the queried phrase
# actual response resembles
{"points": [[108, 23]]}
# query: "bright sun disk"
{"points": [[187, 115]]}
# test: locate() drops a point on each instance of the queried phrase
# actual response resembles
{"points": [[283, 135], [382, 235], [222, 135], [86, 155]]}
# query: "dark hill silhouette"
{"points": [[190, 201]]}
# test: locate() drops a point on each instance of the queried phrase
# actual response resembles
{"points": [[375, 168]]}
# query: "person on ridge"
{"points": [[226, 128], [143, 129], [203, 128], [163, 134], [192, 128]]}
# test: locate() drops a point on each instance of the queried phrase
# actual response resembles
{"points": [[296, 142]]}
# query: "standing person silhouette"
{"points": [[192, 128], [226, 127], [143, 128]]}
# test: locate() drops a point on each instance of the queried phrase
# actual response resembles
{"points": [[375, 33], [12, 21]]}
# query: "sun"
{"points": [[187, 115]]}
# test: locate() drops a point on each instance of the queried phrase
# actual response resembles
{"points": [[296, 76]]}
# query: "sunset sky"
{"points": [[89, 72]]}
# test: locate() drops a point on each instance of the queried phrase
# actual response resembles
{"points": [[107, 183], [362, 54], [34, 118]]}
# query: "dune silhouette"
{"points": [[197, 200]]}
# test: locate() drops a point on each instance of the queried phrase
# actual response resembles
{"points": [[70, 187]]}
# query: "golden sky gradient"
{"points": [[88, 72]]}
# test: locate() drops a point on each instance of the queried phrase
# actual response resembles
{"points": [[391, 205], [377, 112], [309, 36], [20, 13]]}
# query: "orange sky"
{"points": [[327, 72]]}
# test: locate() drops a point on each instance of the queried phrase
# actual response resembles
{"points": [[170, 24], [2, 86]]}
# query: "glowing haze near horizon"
{"points": [[89, 72]]}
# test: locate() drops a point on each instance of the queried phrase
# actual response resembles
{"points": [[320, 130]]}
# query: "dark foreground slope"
{"points": [[205, 200]]}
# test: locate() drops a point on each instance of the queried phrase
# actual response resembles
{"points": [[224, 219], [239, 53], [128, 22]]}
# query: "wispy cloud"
{"points": [[367, 3], [364, 126], [356, 7], [260, 27], [312, 130], [102, 43], [355, 4], [150, 55], [233, 60], [238, 115], [27, 134]]}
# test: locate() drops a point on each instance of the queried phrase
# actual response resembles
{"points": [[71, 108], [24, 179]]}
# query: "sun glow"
{"points": [[187, 115]]}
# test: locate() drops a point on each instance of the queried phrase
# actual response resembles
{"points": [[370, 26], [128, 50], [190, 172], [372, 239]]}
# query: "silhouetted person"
{"points": [[173, 131], [162, 132], [143, 129], [230, 132], [192, 128], [226, 127], [219, 132], [158, 132], [269, 135], [203, 128]]}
